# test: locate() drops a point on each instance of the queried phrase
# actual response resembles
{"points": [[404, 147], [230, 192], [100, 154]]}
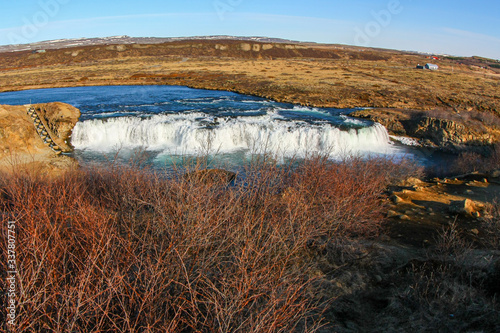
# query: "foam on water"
{"points": [[352, 121], [170, 121], [196, 132], [406, 140], [309, 110]]}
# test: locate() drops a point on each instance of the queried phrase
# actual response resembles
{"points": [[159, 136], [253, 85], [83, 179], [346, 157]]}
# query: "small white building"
{"points": [[432, 67]]}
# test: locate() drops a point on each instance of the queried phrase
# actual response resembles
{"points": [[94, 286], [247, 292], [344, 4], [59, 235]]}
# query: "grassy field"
{"points": [[319, 75]]}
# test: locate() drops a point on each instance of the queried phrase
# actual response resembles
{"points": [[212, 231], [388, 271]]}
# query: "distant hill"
{"points": [[475, 61], [67, 43]]}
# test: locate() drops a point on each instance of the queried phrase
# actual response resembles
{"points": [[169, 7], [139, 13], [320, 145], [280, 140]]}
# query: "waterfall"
{"points": [[193, 133]]}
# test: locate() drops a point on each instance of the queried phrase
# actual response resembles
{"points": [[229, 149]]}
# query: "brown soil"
{"points": [[424, 211]]}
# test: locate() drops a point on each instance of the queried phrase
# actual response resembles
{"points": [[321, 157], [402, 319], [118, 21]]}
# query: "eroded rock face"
{"points": [[19, 141], [61, 117], [445, 134]]}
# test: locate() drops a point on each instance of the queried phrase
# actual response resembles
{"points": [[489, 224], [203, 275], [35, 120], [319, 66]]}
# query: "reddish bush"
{"points": [[120, 248], [472, 161]]}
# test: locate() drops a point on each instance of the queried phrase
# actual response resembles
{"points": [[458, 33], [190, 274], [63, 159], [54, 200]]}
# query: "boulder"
{"points": [[410, 182], [463, 207], [414, 181], [391, 213], [396, 199]]}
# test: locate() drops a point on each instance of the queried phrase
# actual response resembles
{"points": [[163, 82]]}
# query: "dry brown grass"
{"points": [[124, 249], [323, 76], [448, 291]]}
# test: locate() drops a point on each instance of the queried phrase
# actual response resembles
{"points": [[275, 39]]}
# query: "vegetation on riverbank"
{"points": [[314, 246], [283, 249], [340, 76]]}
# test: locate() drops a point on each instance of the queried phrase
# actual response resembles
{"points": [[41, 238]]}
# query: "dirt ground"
{"points": [[419, 211], [22, 149]]}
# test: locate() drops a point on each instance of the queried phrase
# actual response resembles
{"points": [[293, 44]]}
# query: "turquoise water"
{"points": [[171, 123]]}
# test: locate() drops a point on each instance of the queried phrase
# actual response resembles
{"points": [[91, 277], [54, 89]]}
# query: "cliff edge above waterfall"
{"points": [[21, 147]]}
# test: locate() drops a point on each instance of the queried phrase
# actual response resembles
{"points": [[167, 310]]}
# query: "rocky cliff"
{"points": [[20, 144], [461, 132], [448, 134]]}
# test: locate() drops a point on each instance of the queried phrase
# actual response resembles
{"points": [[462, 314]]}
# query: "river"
{"points": [[170, 123]]}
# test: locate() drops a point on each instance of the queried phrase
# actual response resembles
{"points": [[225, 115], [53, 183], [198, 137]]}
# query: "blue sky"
{"points": [[454, 27]]}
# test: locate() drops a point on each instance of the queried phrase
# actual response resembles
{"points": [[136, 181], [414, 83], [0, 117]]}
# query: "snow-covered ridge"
{"points": [[65, 43]]}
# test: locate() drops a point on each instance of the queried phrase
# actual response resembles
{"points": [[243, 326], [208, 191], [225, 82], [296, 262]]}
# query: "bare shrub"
{"points": [[119, 248], [473, 161], [441, 298], [468, 162], [342, 197], [447, 291], [491, 225], [451, 244]]}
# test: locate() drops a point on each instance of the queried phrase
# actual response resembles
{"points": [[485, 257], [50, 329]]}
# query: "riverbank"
{"points": [[308, 74], [308, 249], [360, 245]]}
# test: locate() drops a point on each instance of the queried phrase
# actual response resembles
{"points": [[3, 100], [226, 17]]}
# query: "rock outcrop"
{"points": [[447, 134], [433, 131], [61, 118], [464, 207], [20, 143]]}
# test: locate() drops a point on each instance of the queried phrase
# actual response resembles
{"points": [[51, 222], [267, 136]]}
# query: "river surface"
{"points": [[170, 123]]}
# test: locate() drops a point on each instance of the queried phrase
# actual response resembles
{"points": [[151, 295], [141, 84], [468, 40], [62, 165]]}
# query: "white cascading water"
{"points": [[194, 133]]}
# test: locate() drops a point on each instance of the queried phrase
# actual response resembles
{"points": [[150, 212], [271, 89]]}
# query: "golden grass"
{"points": [[389, 80]]}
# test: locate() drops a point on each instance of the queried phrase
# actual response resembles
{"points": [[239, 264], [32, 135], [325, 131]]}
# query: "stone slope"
{"points": [[20, 144], [447, 132]]}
